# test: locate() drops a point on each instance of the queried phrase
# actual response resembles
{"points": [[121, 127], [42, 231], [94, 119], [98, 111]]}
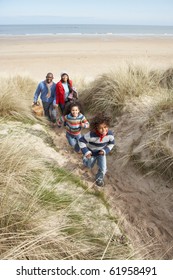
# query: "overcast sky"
{"points": [[147, 12]]}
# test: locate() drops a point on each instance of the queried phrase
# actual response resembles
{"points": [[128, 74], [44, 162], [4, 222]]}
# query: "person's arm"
{"points": [[83, 144], [110, 144], [54, 95], [57, 94], [75, 93], [61, 120], [84, 122], [37, 93]]}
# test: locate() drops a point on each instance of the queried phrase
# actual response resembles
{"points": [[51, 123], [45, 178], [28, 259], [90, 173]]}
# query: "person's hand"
{"points": [[82, 125], [59, 124], [101, 153], [55, 106], [34, 103], [89, 155]]}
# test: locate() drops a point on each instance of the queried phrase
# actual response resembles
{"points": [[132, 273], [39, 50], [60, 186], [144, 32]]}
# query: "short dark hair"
{"points": [[72, 104], [75, 104], [48, 74], [100, 119]]}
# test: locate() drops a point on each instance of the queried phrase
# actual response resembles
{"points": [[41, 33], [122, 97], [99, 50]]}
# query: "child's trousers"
{"points": [[73, 141], [101, 162]]}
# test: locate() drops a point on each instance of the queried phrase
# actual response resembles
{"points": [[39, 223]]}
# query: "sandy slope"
{"points": [[144, 204]]}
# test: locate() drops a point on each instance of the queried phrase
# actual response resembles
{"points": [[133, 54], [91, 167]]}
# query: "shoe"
{"points": [[99, 183]]}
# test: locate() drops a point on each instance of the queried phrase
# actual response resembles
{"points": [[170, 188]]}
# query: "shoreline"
{"points": [[80, 35]]}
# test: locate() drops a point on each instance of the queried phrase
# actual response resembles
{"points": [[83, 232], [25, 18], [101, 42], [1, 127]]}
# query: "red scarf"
{"points": [[100, 135]]}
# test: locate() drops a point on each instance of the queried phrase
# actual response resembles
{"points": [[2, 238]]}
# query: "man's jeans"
{"points": [[49, 111], [101, 162], [73, 141]]}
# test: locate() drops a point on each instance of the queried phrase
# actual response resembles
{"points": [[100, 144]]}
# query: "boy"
{"points": [[96, 144]]}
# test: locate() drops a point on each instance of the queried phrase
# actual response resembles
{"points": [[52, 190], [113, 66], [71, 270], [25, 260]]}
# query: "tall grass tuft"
{"points": [[166, 80], [111, 91], [16, 94], [43, 213]]}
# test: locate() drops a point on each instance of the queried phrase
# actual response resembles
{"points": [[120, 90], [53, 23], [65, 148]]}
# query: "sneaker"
{"points": [[99, 183]]}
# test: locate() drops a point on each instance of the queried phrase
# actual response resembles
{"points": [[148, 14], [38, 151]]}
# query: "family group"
{"points": [[96, 143]]}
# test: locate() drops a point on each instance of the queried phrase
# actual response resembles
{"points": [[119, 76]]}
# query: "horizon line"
{"points": [[87, 24]]}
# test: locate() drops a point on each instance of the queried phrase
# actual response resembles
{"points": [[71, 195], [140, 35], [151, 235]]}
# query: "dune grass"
{"points": [[112, 91], [48, 214], [145, 96], [16, 97], [43, 208]]}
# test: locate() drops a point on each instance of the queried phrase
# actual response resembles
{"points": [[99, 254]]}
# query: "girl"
{"points": [[74, 122], [96, 144]]}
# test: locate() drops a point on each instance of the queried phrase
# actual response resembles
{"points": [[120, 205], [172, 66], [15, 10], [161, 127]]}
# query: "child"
{"points": [[74, 122], [96, 144]]}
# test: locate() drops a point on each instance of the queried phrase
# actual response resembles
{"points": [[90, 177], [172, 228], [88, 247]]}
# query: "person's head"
{"points": [[49, 77], [100, 123], [74, 109], [64, 77]]}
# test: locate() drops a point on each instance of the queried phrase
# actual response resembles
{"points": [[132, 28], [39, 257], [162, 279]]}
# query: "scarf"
{"points": [[49, 89], [101, 136]]}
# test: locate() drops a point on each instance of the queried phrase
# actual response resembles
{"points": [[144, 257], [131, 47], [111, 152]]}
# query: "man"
{"points": [[47, 91]]}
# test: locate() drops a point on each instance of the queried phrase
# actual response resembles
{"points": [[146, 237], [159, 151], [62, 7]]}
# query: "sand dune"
{"points": [[143, 203]]}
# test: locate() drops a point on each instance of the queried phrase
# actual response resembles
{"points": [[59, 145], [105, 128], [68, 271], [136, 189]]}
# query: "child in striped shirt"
{"points": [[96, 144], [74, 122]]}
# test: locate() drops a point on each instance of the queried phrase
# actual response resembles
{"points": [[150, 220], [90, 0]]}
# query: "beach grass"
{"points": [[112, 91], [44, 208], [46, 211], [16, 97], [44, 218], [145, 96]]}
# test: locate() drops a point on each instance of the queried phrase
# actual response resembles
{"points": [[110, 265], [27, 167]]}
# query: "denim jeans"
{"points": [[62, 107], [73, 141], [49, 111], [65, 108], [101, 162]]}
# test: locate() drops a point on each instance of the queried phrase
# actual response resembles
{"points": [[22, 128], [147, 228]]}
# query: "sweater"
{"points": [[91, 143], [43, 90], [73, 124]]}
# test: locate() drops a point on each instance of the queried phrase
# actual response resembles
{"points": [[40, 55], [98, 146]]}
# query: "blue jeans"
{"points": [[101, 162], [62, 107], [73, 141]]}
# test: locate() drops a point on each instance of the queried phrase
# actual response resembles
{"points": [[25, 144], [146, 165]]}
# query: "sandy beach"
{"points": [[81, 56]]}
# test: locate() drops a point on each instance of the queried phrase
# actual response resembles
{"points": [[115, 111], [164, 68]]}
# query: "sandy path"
{"points": [[144, 204]]}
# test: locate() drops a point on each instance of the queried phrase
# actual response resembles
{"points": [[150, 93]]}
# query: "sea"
{"points": [[85, 29]]}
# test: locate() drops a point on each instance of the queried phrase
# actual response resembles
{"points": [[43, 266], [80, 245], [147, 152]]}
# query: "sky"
{"points": [[135, 12]]}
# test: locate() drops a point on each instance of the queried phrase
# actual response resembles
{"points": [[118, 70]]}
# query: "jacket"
{"points": [[43, 90], [91, 143], [60, 92]]}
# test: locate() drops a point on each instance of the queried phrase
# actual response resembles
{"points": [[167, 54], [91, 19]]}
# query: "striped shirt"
{"points": [[90, 142], [74, 124]]}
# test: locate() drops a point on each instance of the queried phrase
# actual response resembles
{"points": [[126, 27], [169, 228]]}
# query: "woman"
{"points": [[64, 91]]}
